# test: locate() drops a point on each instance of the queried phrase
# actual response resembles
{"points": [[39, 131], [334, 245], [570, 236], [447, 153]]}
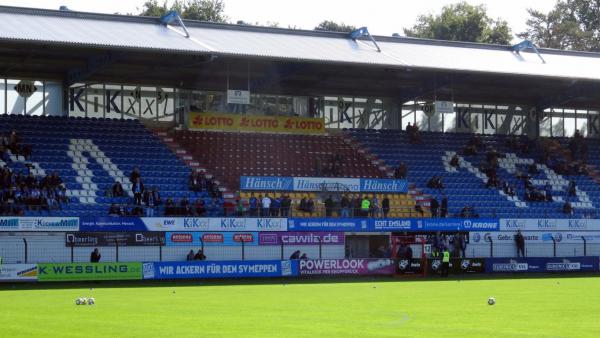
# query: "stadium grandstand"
{"points": [[121, 123]]}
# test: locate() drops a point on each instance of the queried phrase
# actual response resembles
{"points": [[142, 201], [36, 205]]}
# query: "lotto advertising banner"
{"points": [[49, 272], [457, 266], [217, 224], [382, 266], [211, 238], [83, 239], [18, 272], [301, 238], [542, 264], [275, 183], [390, 224], [258, 123], [39, 224], [522, 224], [219, 269], [571, 237]]}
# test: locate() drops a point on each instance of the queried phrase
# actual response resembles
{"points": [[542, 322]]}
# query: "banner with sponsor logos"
{"points": [[457, 265], [410, 266], [301, 238], [220, 269], [383, 266], [391, 224], [532, 224], [39, 223], [48, 272], [542, 264], [277, 183], [87, 239], [573, 237], [257, 123], [217, 224], [211, 238], [18, 272]]}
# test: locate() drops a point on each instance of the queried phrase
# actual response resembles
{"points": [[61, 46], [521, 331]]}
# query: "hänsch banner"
{"points": [[383, 266], [39, 224], [276, 183], [542, 264], [301, 238], [211, 238], [522, 224], [218, 224], [87, 239], [219, 269]]}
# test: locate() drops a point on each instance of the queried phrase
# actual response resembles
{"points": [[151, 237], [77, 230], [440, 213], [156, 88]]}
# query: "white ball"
{"points": [[83, 301], [78, 301], [491, 301], [91, 301]]}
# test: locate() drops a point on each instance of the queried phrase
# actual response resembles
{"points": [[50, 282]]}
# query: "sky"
{"points": [[382, 17]]}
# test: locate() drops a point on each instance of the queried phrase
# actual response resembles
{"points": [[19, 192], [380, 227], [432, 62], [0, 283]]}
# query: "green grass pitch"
{"points": [[552, 306]]}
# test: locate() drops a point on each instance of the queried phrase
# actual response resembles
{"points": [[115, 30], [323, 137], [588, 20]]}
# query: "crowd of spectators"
{"points": [[198, 182], [20, 193]]}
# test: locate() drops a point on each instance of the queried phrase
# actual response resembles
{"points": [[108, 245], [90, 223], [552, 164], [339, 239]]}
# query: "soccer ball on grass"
{"points": [[491, 301]]}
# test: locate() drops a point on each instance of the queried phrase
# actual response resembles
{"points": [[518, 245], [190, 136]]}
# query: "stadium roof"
{"points": [[70, 28], [75, 47]]}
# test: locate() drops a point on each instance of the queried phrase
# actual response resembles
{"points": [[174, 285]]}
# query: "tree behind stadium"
{"points": [[203, 10], [461, 22], [571, 24]]}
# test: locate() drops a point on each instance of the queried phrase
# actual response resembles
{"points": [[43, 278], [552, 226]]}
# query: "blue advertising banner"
{"points": [[542, 264], [211, 238], [219, 269], [274, 183], [111, 224], [392, 224]]}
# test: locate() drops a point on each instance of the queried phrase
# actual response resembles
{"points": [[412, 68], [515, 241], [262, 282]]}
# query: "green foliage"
{"points": [[334, 27], [571, 24], [461, 22], [203, 10]]}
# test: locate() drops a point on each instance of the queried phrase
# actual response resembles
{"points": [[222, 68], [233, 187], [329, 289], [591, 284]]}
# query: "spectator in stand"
{"points": [[444, 207], [434, 206], [190, 256], [199, 208], [275, 206], [14, 141], [286, 205], [413, 133], [548, 192], [401, 171], [135, 174], [295, 255], [435, 183], [266, 206], [468, 212], [572, 188], [117, 190], [114, 210], [460, 243], [365, 205], [138, 189], [151, 200], [239, 208], [185, 209], [194, 183], [345, 206], [170, 207], [520, 243], [508, 189], [304, 256], [95, 256], [374, 208], [385, 206], [454, 161], [329, 206], [252, 206], [568, 208], [357, 206]]}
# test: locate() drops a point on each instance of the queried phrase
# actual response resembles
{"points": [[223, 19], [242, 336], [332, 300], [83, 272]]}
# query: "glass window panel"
{"points": [[53, 101], [15, 103]]}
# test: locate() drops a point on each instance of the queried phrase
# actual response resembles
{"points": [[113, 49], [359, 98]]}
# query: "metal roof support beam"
{"points": [[363, 31], [168, 18], [524, 45]]}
